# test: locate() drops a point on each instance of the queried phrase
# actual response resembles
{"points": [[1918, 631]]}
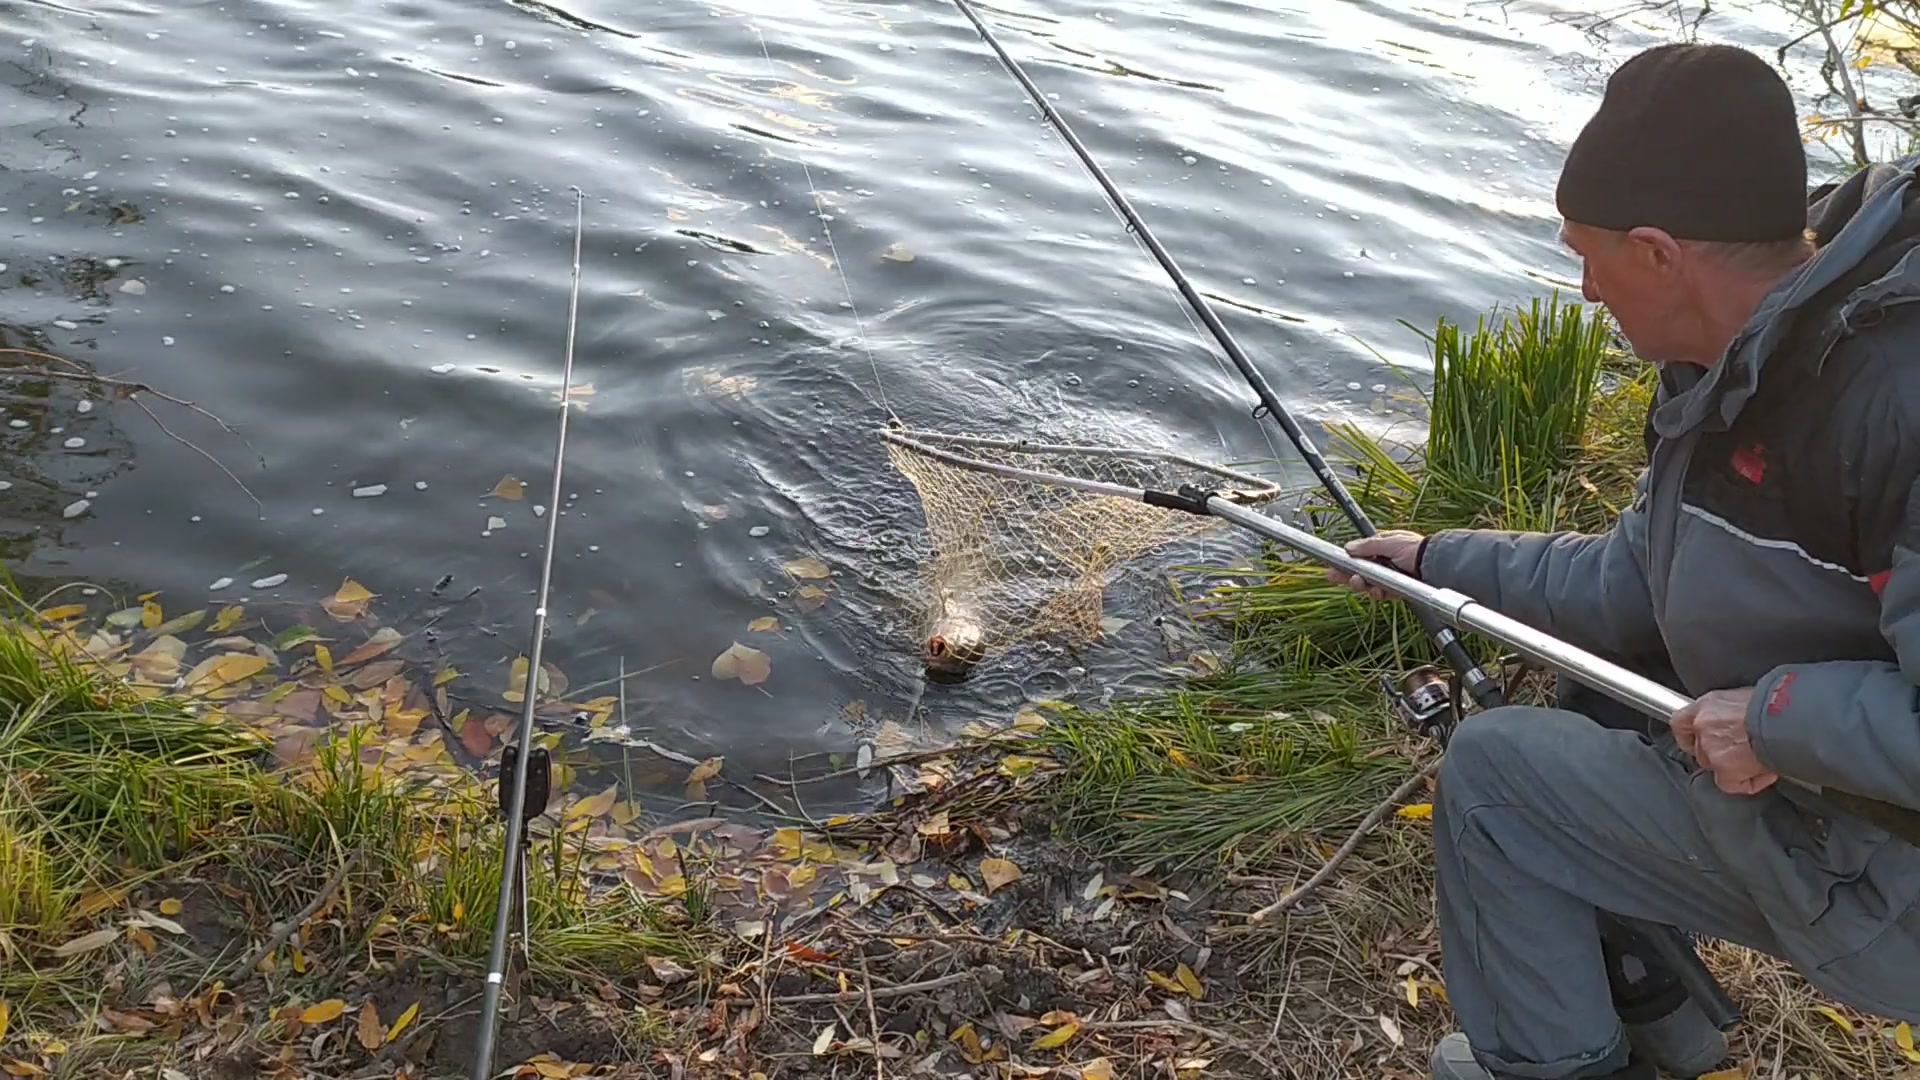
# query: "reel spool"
{"points": [[1423, 699]]}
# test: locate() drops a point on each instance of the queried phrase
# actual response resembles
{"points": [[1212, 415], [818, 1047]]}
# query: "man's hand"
{"points": [[1713, 728], [1397, 546]]}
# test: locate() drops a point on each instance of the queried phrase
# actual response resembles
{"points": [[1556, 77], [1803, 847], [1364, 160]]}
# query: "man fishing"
{"points": [[1769, 567]]}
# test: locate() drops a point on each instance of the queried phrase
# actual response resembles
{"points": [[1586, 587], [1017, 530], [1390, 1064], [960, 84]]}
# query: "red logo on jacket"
{"points": [[1778, 698], [1750, 461]]}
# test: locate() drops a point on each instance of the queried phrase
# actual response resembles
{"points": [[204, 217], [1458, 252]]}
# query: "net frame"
{"points": [[1018, 565]]}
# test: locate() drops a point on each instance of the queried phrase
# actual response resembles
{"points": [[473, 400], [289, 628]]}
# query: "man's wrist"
{"points": [[1419, 555]]}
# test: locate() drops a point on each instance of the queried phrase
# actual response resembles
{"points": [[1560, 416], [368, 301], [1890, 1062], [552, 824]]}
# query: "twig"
{"points": [[873, 1017], [686, 759], [131, 391], [1367, 825], [877, 763], [283, 931], [1225, 1040], [886, 991]]}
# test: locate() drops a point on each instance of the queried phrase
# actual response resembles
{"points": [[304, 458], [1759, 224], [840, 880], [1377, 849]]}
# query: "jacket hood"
{"points": [[1866, 228]]}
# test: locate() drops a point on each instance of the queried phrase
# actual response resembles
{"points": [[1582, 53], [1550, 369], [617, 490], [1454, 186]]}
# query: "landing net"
{"points": [[1027, 536]]}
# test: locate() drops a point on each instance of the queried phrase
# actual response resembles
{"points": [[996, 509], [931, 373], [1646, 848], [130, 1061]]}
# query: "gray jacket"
{"points": [[1774, 542]]}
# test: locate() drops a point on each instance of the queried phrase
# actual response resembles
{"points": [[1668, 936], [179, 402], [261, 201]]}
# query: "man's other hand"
{"points": [[1397, 546], [1713, 728]]}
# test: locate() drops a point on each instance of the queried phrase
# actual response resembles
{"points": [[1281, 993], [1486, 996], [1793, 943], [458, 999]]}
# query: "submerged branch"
{"points": [[125, 390]]}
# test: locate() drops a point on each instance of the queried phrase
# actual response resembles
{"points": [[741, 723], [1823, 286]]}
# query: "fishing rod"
{"points": [[1427, 712], [517, 758]]}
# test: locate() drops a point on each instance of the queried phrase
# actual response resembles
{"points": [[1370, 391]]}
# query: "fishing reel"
{"points": [[1424, 699]]}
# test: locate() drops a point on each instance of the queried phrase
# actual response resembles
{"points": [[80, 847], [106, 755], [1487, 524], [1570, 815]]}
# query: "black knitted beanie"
{"points": [[1702, 141]]}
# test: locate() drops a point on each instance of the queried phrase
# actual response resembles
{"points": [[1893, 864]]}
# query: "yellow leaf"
{"points": [[1903, 1037], [1178, 758], [350, 602], [64, 612], [445, 676], [998, 873], [324, 657], [324, 1012], [371, 1033], [1191, 982], [742, 662], [1738, 1072], [1832, 1014], [594, 805], [1171, 986], [1097, 1069], [338, 694], [150, 614], [510, 487], [226, 670], [170, 906], [764, 622], [1413, 992], [811, 597], [406, 1018], [808, 567], [1416, 812], [4, 1011], [706, 770], [1058, 1037]]}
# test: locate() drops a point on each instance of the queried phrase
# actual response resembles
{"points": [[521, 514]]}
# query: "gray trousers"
{"points": [[1541, 817]]}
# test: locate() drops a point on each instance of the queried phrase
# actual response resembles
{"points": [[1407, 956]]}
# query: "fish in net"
{"points": [[1026, 536]]}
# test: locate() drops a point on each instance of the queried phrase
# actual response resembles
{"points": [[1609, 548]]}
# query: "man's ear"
{"points": [[1656, 248]]}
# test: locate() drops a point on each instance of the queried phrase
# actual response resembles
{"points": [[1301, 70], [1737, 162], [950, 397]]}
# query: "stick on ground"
{"points": [[1367, 825]]}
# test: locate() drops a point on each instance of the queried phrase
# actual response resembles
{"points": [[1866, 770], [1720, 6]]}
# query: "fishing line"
{"points": [[511, 869], [826, 226]]}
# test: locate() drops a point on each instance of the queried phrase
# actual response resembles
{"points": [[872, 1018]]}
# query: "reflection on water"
{"points": [[350, 225]]}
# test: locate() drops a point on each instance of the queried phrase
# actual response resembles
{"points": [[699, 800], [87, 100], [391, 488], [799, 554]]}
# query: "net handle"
{"points": [[1255, 490]]}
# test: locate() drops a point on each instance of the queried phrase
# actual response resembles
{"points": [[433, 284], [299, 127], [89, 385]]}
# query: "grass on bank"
{"points": [[149, 845]]}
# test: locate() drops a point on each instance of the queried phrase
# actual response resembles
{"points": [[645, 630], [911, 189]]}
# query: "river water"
{"points": [[346, 229]]}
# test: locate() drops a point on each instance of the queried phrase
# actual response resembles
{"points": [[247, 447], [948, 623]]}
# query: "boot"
{"points": [[1453, 1060], [1665, 1025]]}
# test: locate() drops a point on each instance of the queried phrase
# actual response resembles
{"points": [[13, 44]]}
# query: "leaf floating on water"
{"points": [[810, 597], [897, 253], [125, 619], [742, 662], [64, 612], [150, 614], [349, 603], [998, 873], [510, 487], [219, 671], [379, 644], [225, 621], [808, 567], [181, 624], [595, 805], [764, 623], [706, 770]]}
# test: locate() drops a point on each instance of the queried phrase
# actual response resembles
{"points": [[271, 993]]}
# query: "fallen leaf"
{"points": [[406, 1018], [742, 662], [998, 873], [64, 612], [1058, 1037], [1413, 992], [376, 674], [1167, 983], [1832, 1014], [668, 970], [898, 253], [823, 1040], [324, 1012], [1392, 1029], [379, 644], [87, 943], [808, 567], [5, 1012], [150, 614], [594, 805], [1190, 982], [182, 624], [219, 671], [510, 487], [225, 621], [154, 922], [764, 623], [1416, 812], [324, 657], [477, 740], [1097, 1069], [349, 603], [811, 597], [1903, 1038], [371, 1033]]}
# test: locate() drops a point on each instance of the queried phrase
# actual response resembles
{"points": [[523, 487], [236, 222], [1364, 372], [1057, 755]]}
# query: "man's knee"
{"points": [[1504, 748]]}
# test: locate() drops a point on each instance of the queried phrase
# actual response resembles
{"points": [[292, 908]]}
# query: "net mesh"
{"points": [[1021, 557]]}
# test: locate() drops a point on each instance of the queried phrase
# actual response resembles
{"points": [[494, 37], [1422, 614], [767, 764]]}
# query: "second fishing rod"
{"points": [[1486, 691]]}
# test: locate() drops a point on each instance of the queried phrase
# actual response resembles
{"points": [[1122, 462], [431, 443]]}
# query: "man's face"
{"points": [[1638, 279]]}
